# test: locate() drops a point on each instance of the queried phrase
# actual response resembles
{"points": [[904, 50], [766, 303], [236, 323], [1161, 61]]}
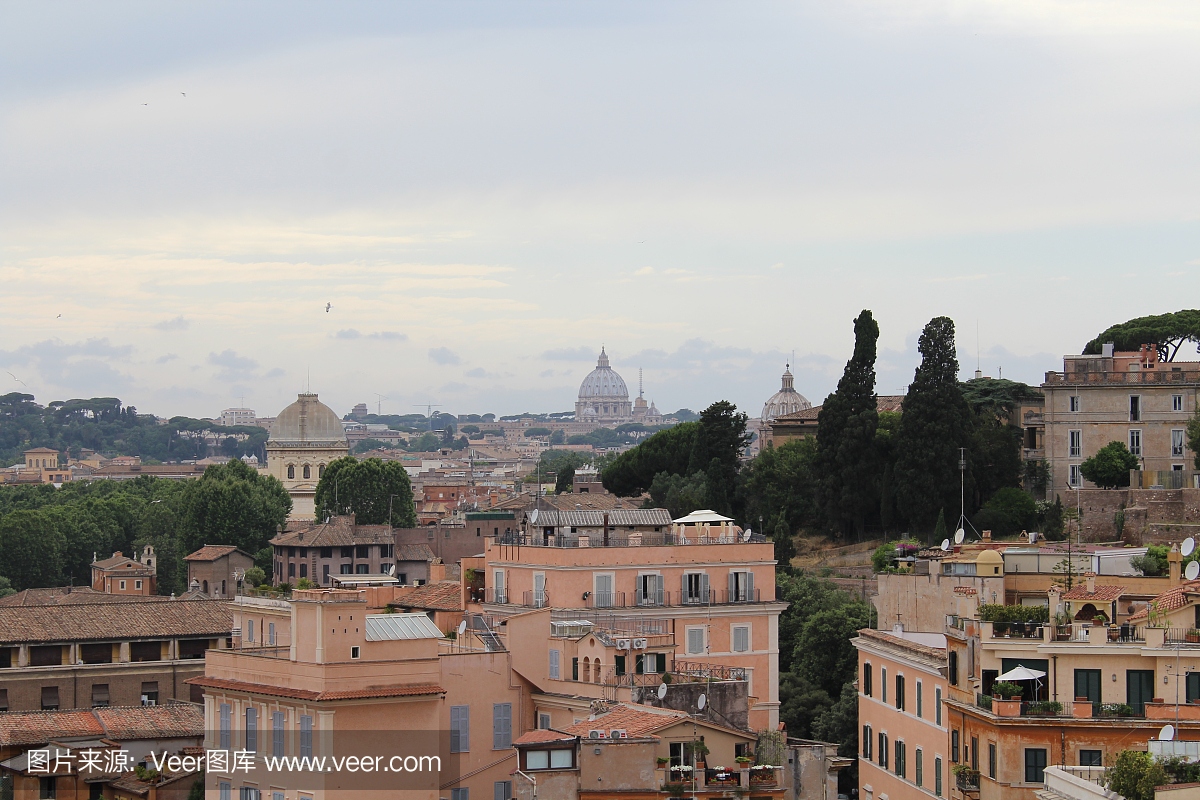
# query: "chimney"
{"points": [[1091, 582], [987, 536], [1174, 562]]}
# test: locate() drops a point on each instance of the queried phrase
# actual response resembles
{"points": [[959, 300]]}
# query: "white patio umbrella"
{"points": [[1021, 674]]}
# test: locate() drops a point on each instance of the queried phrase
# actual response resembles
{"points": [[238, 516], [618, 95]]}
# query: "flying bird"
{"points": [[15, 378], [145, 104], [184, 94], [59, 316], [327, 307]]}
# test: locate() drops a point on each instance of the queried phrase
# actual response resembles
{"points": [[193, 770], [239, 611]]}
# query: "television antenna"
{"points": [[963, 522], [429, 407], [379, 398]]}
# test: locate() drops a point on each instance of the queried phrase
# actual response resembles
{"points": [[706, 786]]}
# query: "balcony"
{"points": [[1183, 636], [627, 539], [723, 779], [1080, 632], [966, 779]]}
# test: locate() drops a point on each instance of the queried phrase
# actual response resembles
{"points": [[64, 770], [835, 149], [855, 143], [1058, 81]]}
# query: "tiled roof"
{"points": [[170, 721], [308, 694], [440, 596], [883, 402], [414, 552], [542, 736], [211, 552], [74, 595], [936, 654], [107, 563], [617, 517], [338, 532], [1103, 594], [150, 619], [638, 721], [1174, 598]]}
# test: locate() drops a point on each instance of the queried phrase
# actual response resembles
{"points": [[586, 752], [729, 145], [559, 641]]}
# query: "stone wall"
{"points": [[727, 702], [1151, 515]]}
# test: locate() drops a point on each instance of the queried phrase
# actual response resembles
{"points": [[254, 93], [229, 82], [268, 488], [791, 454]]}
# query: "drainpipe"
{"points": [[606, 529]]}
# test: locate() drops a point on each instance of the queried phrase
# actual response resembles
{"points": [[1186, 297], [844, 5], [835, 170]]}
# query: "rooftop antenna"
{"points": [[963, 522], [379, 403], [978, 371], [429, 407], [639, 381]]}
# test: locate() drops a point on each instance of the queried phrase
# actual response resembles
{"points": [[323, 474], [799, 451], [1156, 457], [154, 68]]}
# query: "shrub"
{"points": [[1109, 468], [994, 612], [1007, 690], [884, 557], [1153, 563], [1134, 775], [1007, 512], [1045, 707]]}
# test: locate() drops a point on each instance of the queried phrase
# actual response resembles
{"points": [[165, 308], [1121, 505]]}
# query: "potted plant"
{"points": [[680, 773], [762, 775], [1100, 619], [1192, 635], [745, 761], [697, 749], [662, 761], [1006, 701]]}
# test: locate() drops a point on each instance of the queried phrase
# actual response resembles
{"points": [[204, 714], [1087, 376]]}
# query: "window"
{"points": [[47, 790], [919, 767], [741, 638], [1193, 682], [1177, 443], [937, 777], [867, 679], [501, 726], [883, 750], [900, 692], [537, 759], [602, 585], [362, 551], [543, 722], [137, 584], [224, 791], [306, 731], [975, 753], [695, 640], [252, 730], [498, 586], [122, 586], [1135, 441], [271, 631], [899, 766], [348, 552], [291, 472], [992, 760], [554, 664], [919, 710], [307, 471], [883, 684], [303, 570], [1177, 402], [1075, 476], [321, 471], [741, 587], [460, 729], [1035, 765], [1074, 402], [99, 695], [954, 734], [4, 699], [650, 590], [1135, 410], [291, 569], [326, 552], [1091, 758], [277, 721], [354, 651], [502, 790], [346, 569], [460, 794], [49, 698], [695, 588], [249, 630], [1087, 684], [1075, 444], [1139, 689], [362, 569], [866, 742], [226, 719]]}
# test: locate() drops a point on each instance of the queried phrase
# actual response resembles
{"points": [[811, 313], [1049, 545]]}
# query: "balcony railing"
{"points": [[967, 780], [706, 671], [667, 599], [535, 599], [1184, 636], [626, 539]]}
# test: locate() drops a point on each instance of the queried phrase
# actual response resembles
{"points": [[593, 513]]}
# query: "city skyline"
{"points": [[460, 204]]}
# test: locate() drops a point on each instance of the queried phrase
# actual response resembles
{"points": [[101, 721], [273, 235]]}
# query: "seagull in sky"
{"points": [[184, 94], [59, 316], [327, 307]]}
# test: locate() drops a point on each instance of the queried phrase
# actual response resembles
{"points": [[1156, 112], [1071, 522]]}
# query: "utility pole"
{"points": [[379, 403]]}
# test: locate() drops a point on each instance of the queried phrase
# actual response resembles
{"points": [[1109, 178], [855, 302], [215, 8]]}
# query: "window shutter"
{"points": [[226, 725], [732, 587], [252, 730], [554, 664], [749, 586], [277, 720], [704, 588], [306, 732], [501, 726], [662, 662]]}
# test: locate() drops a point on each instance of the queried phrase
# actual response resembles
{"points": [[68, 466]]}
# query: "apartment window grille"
{"points": [[1075, 444]]}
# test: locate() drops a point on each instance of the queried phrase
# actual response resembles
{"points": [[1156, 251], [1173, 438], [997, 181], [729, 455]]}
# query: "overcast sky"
{"points": [[485, 193]]}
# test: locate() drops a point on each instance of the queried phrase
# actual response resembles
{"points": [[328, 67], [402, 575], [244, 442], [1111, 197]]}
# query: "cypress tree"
{"points": [[849, 488], [939, 530], [935, 423], [785, 548]]}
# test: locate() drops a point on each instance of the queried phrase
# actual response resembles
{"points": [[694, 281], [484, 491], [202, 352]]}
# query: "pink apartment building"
{"points": [[697, 597]]}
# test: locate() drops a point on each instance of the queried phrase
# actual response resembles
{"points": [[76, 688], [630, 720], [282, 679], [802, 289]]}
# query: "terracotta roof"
{"points": [[74, 595], [414, 552], [440, 596], [542, 736], [1174, 598], [1103, 594], [170, 721], [883, 402], [594, 518], [937, 654], [638, 721], [338, 532], [308, 694], [117, 561], [211, 552], [150, 619]]}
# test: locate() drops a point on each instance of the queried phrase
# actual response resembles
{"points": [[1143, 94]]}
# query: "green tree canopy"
{"points": [[364, 488], [1006, 512], [232, 504], [667, 451], [780, 481], [1168, 331], [1135, 774], [31, 550], [1109, 467], [936, 422], [1193, 434], [848, 491]]}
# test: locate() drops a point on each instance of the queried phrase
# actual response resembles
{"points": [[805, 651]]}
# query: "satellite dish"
{"points": [[462, 627], [945, 544], [1189, 544], [662, 691], [1193, 569], [533, 515], [700, 703], [1167, 733], [392, 569], [959, 535]]}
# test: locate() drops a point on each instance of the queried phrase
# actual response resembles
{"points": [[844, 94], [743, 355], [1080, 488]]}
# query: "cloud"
{"points": [[387, 336], [174, 324], [453, 388], [166, 358], [348, 333], [239, 368], [570, 354], [480, 372], [644, 271], [443, 356], [84, 367]]}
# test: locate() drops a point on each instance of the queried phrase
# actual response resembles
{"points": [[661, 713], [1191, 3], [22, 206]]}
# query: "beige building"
{"points": [[1129, 397], [305, 437]]}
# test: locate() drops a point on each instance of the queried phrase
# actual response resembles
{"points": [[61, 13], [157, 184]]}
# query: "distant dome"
{"points": [[786, 401], [603, 382], [307, 420]]}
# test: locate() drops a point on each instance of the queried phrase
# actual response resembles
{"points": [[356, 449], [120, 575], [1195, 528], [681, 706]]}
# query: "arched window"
{"points": [[587, 670], [205, 587], [307, 471], [596, 671], [321, 471], [291, 472]]}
